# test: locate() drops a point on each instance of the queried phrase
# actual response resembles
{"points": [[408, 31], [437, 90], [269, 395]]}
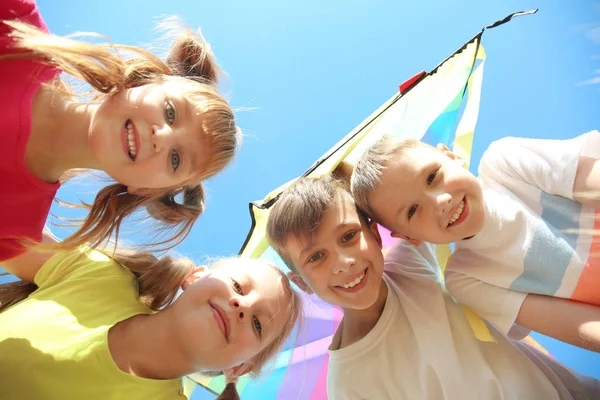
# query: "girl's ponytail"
{"points": [[230, 392], [13, 292], [192, 57], [168, 210]]}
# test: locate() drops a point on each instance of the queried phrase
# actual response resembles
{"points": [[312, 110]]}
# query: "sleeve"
{"points": [[24, 10], [497, 305], [10, 248], [550, 165], [407, 258]]}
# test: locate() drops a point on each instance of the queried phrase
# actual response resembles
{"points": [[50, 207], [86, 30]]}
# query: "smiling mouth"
{"points": [[357, 283], [132, 140], [221, 319], [459, 213]]}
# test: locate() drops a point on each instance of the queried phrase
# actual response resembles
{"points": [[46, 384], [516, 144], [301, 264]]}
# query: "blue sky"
{"points": [[312, 70]]}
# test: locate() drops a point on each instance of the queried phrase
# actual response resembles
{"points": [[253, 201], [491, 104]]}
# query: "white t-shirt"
{"points": [[536, 238], [422, 347]]}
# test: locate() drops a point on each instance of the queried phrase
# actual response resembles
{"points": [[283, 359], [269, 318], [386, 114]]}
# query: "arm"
{"points": [[27, 265], [586, 189], [498, 305], [567, 320]]}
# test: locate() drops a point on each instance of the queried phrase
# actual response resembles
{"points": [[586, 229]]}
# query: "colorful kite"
{"points": [[440, 106]]}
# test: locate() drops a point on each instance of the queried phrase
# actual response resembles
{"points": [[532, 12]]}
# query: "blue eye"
{"points": [[257, 326], [175, 160], [170, 113]]}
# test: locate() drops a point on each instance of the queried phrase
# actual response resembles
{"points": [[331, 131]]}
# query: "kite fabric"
{"points": [[440, 106]]}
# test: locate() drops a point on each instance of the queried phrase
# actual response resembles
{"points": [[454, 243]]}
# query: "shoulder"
{"points": [[404, 258], [496, 151], [24, 10], [78, 263]]}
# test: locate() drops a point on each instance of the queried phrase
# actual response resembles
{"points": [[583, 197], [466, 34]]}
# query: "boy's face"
{"points": [[342, 263], [427, 194]]}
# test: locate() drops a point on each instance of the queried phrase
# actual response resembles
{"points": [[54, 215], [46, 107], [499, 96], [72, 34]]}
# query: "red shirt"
{"points": [[24, 199]]}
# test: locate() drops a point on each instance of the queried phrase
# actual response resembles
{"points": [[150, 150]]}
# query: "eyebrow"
{"points": [[314, 243]]}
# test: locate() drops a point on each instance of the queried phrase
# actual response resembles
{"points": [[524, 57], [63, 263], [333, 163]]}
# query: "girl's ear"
{"points": [[413, 241], [193, 276], [140, 191], [132, 190], [300, 282], [231, 374]]}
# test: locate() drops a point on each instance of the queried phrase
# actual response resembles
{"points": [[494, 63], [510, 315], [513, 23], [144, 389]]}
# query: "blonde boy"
{"points": [[523, 230], [402, 336]]}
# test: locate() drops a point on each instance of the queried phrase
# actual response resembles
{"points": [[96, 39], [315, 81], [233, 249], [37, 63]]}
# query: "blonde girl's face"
{"points": [[149, 137], [231, 313]]}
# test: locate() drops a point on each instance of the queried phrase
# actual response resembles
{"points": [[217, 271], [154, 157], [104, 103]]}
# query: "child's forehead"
{"points": [[342, 213]]}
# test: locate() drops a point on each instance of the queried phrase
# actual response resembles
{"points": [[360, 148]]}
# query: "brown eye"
{"points": [[349, 236], [237, 287], [412, 211], [431, 177], [315, 257]]}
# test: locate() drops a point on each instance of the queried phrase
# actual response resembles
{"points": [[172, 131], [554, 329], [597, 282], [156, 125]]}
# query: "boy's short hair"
{"points": [[370, 166], [301, 209]]}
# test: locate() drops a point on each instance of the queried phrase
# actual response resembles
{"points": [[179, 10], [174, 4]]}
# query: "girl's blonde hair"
{"points": [[159, 280], [192, 64]]}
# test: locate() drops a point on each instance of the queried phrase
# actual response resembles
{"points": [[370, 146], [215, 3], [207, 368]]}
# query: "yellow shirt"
{"points": [[54, 344]]}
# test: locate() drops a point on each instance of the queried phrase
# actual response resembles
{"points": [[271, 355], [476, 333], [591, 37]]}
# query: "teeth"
{"points": [[457, 213], [354, 282], [131, 139]]}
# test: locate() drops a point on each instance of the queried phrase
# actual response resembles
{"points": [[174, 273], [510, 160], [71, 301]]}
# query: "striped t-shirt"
{"points": [[536, 238]]}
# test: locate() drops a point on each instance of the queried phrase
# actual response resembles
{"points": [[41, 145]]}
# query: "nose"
{"points": [[442, 202], [240, 307], [162, 137], [344, 262]]}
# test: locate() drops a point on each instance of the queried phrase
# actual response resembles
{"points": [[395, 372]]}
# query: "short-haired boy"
{"points": [[402, 335], [526, 249]]}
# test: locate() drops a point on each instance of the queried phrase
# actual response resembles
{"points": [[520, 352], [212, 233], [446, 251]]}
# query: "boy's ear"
{"points": [[193, 276], [300, 282], [413, 241], [343, 172], [451, 155], [374, 228]]}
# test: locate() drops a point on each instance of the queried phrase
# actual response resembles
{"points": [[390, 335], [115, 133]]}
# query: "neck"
{"points": [[147, 346], [59, 134], [358, 323]]}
